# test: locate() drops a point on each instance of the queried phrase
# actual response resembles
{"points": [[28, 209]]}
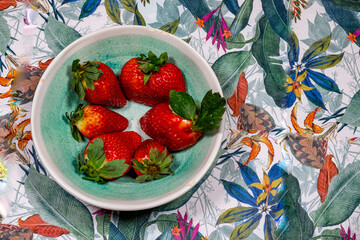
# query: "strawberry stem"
{"points": [[94, 166], [73, 118], [156, 167], [151, 64], [84, 76]]}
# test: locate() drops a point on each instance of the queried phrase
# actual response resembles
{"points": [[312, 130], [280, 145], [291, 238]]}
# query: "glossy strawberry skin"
{"points": [[120, 145], [107, 89], [157, 89], [97, 120], [162, 125], [144, 149]]}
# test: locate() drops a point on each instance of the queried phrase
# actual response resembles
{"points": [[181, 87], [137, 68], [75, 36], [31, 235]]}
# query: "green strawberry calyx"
{"points": [[84, 76], [94, 166], [206, 116], [156, 167], [151, 64], [73, 118]]}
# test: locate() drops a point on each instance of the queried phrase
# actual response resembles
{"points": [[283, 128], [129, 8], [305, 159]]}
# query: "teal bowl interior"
{"points": [[59, 98]]}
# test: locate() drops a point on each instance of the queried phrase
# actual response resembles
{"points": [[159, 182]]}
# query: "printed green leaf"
{"points": [[171, 27], [347, 19], [166, 235], [228, 68], [58, 35], [317, 48], [263, 49], [129, 5], [293, 50], [244, 230], [348, 4], [198, 9], [5, 35], [58, 207], [113, 10], [237, 41], [167, 13], [138, 18], [278, 17], [103, 225], [182, 104], [114, 233], [232, 5], [173, 205], [236, 214], [130, 223], [342, 198], [242, 17], [298, 223], [325, 62], [329, 234], [352, 113], [163, 222]]}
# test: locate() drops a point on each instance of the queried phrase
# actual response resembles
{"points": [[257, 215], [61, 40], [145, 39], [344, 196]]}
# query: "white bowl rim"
{"points": [[119, 205]]}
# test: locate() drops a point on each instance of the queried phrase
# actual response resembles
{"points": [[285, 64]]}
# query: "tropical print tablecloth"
{"points": [[288, 167]]}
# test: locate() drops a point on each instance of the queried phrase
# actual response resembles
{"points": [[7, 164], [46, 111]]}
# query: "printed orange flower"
{"points": [[199, 22], [352, 140], [44, 65], [218, 29], [18, 133], [6, 81], [176, 231], [254, 143], [205, 238], [352, 37], [267, 187], [296, 86], [227, 33], [311, 127], [16, 111]]}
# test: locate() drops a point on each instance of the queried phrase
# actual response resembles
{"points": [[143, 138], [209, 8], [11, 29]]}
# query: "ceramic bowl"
{"points": [[58, 150]]}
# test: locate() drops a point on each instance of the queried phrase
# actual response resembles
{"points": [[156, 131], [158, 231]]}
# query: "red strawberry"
{"points": [[152, 161], [109, 156], [180, 126], [97, 83], [149, 80], [94, 120]]}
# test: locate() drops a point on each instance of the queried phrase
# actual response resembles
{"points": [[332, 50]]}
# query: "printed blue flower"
{"points": [[301, 72], [261, 202]]}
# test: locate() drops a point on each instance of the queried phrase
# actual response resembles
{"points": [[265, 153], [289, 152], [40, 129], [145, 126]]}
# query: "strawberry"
{"points": [[148, 80], [97, 83], [108, 156], [93, 120], [152, 161], [178, 124]]}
